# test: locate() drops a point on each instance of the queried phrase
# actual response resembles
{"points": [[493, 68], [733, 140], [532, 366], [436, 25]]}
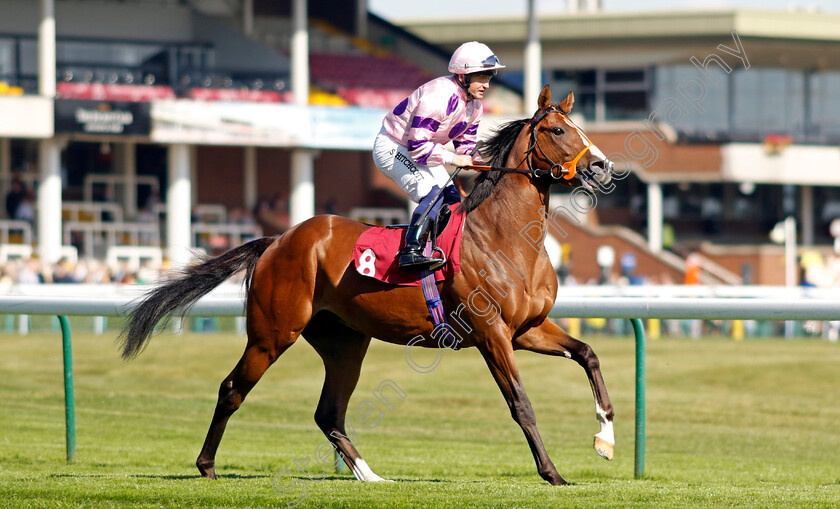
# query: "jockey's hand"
{"points": [[462, 160]]}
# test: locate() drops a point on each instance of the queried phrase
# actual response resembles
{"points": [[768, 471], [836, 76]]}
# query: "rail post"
{"points": [[69, 406], [639, 460]]}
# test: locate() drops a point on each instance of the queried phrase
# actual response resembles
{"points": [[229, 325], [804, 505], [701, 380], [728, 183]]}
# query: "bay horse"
{"points": [[304, 282]]}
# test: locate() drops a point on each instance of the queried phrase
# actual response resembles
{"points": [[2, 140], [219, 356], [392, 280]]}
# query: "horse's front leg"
{"points": [[502, 364], [548, 338]]}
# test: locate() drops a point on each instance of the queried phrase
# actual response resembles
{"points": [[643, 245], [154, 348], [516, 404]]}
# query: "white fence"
{"points": [[564, 307], [633, 308]]}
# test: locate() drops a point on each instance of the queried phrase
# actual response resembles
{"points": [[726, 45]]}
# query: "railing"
{"points": [[233, 234], [96, 212], [10, 227], [138, 234], [133, 257], [111, 181], [631, 308]]}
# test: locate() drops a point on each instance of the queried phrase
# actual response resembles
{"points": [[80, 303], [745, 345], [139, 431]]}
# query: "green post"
{"points": [[639, 463], [340, 466], [69, 407]]}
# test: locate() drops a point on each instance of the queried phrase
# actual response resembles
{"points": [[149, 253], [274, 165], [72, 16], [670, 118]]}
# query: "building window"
{"points": [[768, 101], [607, 94], [825, 105], [623, 93], [582, 83], [705, 118]]}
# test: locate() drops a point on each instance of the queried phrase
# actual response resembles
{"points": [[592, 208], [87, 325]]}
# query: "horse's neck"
{"points": [[516, 204]]}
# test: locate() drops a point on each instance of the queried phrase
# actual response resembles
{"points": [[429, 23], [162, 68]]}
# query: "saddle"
{"points": [[375, 253]]}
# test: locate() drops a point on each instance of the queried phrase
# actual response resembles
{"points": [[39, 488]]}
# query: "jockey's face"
{"points": [[478, 85]]}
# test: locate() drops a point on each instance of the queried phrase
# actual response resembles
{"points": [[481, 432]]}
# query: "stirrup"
{"points": [[440, 262], [414, 259]]}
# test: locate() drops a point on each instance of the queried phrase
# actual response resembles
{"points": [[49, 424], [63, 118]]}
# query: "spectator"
{"points": [[63, 272], [26, 210], [14, 197], [31, 273]]}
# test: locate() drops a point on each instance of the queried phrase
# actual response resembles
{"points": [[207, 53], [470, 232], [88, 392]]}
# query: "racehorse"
{"points": [[304, 282]]}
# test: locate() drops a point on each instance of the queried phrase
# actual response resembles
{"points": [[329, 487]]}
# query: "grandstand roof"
{"points": [[787, 38]]}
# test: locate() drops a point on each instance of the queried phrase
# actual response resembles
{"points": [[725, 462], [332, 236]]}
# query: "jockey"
{"points": [[409, 148]]}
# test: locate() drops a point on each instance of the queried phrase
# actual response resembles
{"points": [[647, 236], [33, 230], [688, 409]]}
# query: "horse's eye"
{"points": [[557, 130]]}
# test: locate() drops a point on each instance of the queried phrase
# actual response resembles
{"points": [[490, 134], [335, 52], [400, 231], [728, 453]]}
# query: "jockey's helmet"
{"points": [[474, 58]]}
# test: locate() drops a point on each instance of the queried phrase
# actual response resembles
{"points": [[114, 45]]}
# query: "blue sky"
{"points": [[395, 10]]}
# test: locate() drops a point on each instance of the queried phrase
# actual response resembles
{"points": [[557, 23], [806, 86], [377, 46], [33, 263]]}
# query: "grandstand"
{"points": [[163, 108]]}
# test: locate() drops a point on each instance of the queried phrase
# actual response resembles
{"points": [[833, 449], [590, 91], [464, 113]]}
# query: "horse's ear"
{"points": [[545, 98], [567, 103]]}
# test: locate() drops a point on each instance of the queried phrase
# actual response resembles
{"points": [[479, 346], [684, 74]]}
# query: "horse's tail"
{"points": [[183, 288]]}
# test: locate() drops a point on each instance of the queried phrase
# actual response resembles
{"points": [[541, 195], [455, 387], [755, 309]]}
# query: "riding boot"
{"points": [[411, 256]]}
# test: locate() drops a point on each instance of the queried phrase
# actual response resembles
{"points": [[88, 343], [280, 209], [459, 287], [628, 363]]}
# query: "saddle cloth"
{"points": [[375, 253]]}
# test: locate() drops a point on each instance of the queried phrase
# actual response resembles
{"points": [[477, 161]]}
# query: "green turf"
{"points": [[741, 424]]}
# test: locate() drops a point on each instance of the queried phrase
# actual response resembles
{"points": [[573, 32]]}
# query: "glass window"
{"points": [[625, 105], [825, 103], [7, 70], [585, 104], [672, 103], [627, 76], [768, 101]]}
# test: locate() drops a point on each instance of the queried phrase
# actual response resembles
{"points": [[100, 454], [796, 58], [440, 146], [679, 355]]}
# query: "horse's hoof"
{"points": [[208, 471], [604, 448], [554, 479]]}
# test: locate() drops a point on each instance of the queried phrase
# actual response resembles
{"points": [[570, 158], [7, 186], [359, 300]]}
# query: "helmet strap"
{"points": [[464, 80]]}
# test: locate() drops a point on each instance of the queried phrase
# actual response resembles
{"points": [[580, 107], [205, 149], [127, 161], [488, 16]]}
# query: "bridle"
{"points": [[568, 170]]}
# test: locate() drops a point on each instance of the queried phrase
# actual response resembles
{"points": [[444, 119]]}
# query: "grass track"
{"points": [[749, 424]]}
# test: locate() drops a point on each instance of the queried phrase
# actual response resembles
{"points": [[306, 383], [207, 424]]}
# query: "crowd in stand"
{"points": [[85, 271]]}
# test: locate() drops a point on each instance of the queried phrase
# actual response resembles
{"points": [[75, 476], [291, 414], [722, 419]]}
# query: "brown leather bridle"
{"points": [[568, 170]]}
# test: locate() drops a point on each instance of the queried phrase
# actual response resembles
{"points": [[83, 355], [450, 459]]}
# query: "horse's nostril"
{"points": [[601, 165]]}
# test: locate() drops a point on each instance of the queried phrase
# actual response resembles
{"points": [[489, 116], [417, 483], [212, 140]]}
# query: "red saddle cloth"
{"points": [[375, 254]]}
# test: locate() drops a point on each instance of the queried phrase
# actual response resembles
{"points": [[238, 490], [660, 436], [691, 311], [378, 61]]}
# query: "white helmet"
{"points": [[472, 57]]}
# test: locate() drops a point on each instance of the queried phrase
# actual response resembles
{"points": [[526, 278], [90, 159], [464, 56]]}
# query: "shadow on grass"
{"points": [[142, 476], [179, 477]]}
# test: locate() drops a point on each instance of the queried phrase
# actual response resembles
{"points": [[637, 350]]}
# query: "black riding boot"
{"points": [[411, 256]]}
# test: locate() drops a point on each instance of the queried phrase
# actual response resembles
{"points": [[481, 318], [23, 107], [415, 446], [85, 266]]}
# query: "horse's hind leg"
{"points": [[548, 338], [265, 345], [342, 349], [232, 392]]}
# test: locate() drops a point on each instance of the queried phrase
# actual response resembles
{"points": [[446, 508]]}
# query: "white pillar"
{"points": [[178, 203], [300, 54], [49, 230], [807, 214], [533, 64], [791, 263], [128, 160], [248, 17], [302, 197], [250, 178], [654, 216], [46, 49]]}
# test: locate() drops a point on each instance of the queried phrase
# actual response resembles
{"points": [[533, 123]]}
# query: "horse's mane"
{"points": [[496, 149]]}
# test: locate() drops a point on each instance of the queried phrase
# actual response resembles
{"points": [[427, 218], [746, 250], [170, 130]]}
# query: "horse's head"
{"points": [[562, 150]]}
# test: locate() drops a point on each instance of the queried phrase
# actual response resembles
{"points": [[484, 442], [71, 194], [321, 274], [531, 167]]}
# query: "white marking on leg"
{"points": [[363, 472], [606, 434]]}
